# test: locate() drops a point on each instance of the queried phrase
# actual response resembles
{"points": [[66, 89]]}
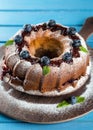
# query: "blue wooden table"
{"points": [[15, 13]]}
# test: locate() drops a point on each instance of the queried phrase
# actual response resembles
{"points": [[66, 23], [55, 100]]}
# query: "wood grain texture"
{"points": [[46, 4], [87, 28], [34, 17], [86, 118]]}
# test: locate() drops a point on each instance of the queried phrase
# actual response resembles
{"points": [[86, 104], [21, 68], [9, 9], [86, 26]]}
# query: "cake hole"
{"points": [[46, 46]]}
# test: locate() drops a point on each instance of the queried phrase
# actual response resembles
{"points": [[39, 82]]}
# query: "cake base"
{"points": [[69, 89], [38, 109]]}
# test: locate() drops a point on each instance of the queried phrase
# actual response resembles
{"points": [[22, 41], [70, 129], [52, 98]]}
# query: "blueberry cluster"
{"points": [[67, 57], [71, 31], [28, 27], [50, 25]]}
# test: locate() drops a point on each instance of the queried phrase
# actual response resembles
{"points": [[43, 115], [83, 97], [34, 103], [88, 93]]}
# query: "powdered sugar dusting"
{"points": [[32, 108], [68, 90], [44, 109]]}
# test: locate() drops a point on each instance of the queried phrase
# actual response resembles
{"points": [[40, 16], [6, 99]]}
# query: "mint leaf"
{"points": [[9, 42], [62, 104], [66, 103], [83, 49], [46, 70], [80, 99]]}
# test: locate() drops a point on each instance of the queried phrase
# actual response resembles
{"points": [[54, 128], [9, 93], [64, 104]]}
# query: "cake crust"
{"points": [[27, 75]]}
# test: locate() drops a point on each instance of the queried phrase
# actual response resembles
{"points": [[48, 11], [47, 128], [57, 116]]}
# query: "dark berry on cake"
{"points": [[45, 60], [71, 31], [44, 26], [51, 23], [18, 39], [76, 43], [27, 28], [67, 57], [24, 54], [72, 100]]}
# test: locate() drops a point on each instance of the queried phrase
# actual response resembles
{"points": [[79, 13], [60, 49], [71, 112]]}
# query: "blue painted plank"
{"points": [[6, 119], [65, 17], [46, 4], [63, 126], [90, 44], [7, 32]]}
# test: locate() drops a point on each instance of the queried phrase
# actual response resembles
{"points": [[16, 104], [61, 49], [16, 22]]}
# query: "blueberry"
{"points": [[72, 100], [24, 54], [27, 28], [67, 57], [45, 60], [51, 23], [71, 31], [44, 26], [76, 43], [18, 39]]}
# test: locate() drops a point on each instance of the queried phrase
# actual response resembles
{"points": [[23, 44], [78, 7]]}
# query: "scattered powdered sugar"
{"points": [[31, 110], [40, 109]]}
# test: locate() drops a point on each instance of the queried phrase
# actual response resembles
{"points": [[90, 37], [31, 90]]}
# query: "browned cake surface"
{"points": [[53, 44]]}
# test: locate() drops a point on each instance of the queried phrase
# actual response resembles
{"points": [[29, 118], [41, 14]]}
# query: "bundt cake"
{"points": [[46, 59]]}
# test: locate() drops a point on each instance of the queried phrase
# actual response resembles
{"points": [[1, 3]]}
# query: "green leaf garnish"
{"points": [[46, 70], [83, 49], [62, 104], [9, 42], [66, 103], [80, 99]]}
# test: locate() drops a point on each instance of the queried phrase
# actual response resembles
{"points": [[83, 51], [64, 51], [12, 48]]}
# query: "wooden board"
{"points": [[38, 109]]}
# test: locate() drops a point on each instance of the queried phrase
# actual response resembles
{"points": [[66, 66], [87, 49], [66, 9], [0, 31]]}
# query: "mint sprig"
{"points": [[9, 42], [64, 103], [83, 49], [80, 99], [46, 70]]}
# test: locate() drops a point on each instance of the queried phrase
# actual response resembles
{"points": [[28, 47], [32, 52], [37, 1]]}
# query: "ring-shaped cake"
{"points": [[47, 59]]}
